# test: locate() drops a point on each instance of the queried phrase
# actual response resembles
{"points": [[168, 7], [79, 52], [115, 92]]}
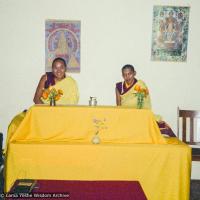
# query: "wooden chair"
{"points": [[1, 149], [188, 122], [1, 165]]}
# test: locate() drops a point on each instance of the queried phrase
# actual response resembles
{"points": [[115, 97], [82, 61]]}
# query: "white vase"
{"points": [[96, 139]]}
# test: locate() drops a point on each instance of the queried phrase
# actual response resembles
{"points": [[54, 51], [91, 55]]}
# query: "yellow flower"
{"points": [[137, 88], [45, 94], [60, 92], [141, 93], [57, 97], [49, 94], [146, 91]]}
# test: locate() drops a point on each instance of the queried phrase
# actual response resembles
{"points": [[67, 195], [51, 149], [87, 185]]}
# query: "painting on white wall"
{"points": [[170, 33], [62, 39]]}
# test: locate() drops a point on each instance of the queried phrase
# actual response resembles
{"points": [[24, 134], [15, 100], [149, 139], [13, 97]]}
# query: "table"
{"points": [[132, 148]]}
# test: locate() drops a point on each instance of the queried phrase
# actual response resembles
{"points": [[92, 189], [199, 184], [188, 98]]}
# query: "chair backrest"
{"points": [[188, 122], [1, 150]]}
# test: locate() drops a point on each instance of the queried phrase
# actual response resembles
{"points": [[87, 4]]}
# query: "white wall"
{"points": [[113, 33]]}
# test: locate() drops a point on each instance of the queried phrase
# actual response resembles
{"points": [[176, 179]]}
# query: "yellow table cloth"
{"points": [[55, 143], [79, 123]]}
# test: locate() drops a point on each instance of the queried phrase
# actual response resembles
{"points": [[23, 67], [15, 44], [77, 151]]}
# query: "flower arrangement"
{"points": [[99, 125], [141, 94], [52, 94]]}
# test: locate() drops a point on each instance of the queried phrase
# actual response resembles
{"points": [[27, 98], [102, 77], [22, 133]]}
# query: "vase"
{"points": [[52, 102], [93, 101], [96, 139]]}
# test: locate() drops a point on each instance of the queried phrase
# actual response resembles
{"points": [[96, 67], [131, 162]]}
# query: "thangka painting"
{"points": [[62, 39], [170, 33]]}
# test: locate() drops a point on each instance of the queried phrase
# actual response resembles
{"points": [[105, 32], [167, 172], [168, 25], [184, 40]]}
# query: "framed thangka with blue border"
{"points": [[170, 33], [62, 39]]}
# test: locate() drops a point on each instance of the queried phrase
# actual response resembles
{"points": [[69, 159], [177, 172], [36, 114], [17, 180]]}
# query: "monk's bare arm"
{"points": [[118, 98], [39, 90]]}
